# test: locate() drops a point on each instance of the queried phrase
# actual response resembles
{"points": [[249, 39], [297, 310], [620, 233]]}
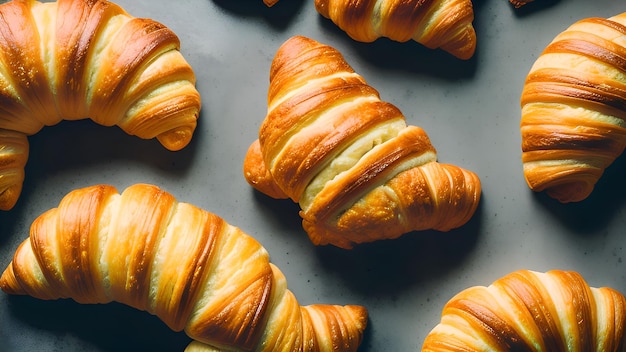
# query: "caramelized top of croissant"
{"points": [[445, 24], [532, 311], [78, 59], [573, 123], [183, 264], [358, 171]]}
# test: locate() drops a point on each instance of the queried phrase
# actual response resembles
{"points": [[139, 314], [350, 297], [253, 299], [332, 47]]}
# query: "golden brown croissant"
{"points": [[183, 264], [77, 59], [574, 109], [357, 170], [532, 311], [445, 24]]}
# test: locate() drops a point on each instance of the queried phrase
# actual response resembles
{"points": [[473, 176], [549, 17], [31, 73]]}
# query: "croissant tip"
{"points": [[570, 193], [465, 55], [463, 48], [560, 190], [9, 197], [360, 312], [8, 282], [176, 139]]}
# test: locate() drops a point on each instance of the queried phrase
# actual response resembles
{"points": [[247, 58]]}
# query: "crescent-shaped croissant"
{"points": [[357, 170], [532, 311], [78, 59], [183, 264], [445, 24], [573, 123]]}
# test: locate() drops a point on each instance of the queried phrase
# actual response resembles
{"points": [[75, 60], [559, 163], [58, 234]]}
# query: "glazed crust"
{"points": [[78, 59], [445, 24], [532, 311], [573, 109], [185, 265], [359, 173]]}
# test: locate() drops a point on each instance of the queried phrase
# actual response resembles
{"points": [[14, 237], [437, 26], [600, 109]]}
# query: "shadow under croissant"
{"points": [[71, 146], [279, 16], [411, 56], [413, 258], [107, 327], [592, 214], [280, 212], [9, 225], [533, 7], [83, 143], [75, 145]]}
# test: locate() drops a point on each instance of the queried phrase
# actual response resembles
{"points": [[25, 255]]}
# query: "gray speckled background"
{"points": [[469, 109]]}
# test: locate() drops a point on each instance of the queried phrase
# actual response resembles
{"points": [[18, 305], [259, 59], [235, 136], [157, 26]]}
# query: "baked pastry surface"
{"points": [[445, 24], [79, 59], [358, 171], [573, 123], [532, 311], [183, 264]]}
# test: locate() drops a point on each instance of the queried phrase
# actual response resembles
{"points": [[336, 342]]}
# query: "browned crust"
{"points": [[451, 29], [318, 107], [183, 264], [51, 73], [520, 311], [565, 155]]}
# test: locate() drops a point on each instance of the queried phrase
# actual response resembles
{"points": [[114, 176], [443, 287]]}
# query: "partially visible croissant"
{"points": [[176, 261], [532, 311], [519, 3], [77, 59], [445, 24], [359, 173], [573, 123]]}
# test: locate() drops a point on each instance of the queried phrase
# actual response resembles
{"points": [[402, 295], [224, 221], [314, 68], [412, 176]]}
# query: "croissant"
{"points": [[445, 24], [519, 3], [183, 264], [77, 59], [573, 123], [357, 170], [532, 311]]}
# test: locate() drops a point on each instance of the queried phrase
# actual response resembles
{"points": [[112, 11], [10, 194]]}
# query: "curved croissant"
{"points": [[357, 170], [445, 24], [176, 261], [532, 311], [76, 59], [573, 123]]}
